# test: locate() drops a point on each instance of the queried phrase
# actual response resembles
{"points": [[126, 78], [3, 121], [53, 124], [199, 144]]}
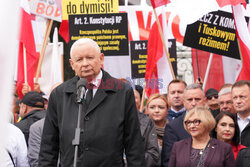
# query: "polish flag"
{"points": [[64, 30], [157, 3], [222, 3], [158, 72], [223, 69], [26, 39], [243, 35]]}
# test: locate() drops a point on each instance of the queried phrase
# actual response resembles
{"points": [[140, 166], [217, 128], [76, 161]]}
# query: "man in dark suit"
{"points": [[109, 123], [241, 103], [174, 131], [175, 99]]}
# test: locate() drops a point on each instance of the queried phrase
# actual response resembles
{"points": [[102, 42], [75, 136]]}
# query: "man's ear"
{"points": [[71, 64], [25, 108], [102, 58]]}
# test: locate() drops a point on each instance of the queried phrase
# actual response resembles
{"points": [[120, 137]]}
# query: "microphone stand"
{"points": [[76, 140]]}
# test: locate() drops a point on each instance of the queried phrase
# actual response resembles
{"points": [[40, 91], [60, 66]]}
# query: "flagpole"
{"points": [[62, 68], [198, 69], [207, 71], [142, 100], [48, 29], [163, 42], [25, 65]]}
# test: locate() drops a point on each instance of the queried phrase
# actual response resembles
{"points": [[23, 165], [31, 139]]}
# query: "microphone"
{"points": [[81, 89]]}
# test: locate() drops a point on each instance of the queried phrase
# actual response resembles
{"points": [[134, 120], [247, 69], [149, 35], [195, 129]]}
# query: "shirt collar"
{"points": [[239, 118], [97, 81], [181, 110]]}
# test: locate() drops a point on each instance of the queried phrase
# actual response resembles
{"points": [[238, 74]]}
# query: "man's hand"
{"points": [[199, 81], [26, 88], [37, 87]]}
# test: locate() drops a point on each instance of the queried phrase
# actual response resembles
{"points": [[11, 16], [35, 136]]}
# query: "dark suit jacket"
{"points": [[109, 126], [219, 155], [243, 158], [245, 136], [174, 131]]}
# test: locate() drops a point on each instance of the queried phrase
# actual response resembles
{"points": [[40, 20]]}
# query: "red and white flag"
{"points": [[158, 73], [222, 3], [26, 39], [157, 3], [243, 35]]}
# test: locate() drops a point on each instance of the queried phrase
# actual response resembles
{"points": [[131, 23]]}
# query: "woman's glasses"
{"points": [[196, 122]]}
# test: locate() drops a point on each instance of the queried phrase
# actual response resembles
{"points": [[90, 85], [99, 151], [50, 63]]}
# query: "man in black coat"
{"points": [[174, 131], [241, 103], [109, 123], [31, 110]]}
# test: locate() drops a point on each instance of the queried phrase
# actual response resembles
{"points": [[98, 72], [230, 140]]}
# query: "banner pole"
{"points": [[164, 44], [207, 71], [25, 65], [48, 29], [197, 62]]}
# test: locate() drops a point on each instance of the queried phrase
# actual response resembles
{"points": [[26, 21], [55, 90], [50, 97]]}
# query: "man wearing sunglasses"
{"points": [[212, 101]]}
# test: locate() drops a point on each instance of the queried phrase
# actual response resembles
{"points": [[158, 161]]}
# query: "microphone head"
{"points": [[82, 83]]}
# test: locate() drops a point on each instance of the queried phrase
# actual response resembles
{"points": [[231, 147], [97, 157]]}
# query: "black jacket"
{"points": [[174, 131], [28, 120], [243, 158], [245, 136], [109, 127], [152, 152]]}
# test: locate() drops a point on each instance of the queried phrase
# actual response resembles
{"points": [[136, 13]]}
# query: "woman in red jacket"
{"points": [[227, 130]]}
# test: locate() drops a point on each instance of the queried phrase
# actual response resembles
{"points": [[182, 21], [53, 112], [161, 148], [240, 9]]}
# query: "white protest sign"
{"points": [[46, 8]]}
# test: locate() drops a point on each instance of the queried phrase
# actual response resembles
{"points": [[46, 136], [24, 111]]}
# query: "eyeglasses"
{"points": [[210, 97], [196, 122]]}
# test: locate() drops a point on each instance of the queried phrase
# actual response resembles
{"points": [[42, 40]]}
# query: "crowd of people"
{"points": [[186, 127]]}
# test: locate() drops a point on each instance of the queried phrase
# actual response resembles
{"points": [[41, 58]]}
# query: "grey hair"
{"points": [[225, 91], [83, 41], [193, 86]]}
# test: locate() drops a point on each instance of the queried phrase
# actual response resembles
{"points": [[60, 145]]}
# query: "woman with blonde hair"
{"points": [[157, 109], [201, 150]]}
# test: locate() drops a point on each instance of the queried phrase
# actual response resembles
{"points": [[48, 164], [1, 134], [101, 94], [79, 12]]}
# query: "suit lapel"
{"points": [[101, 92], [211, 152], [187, 151], [98, 98]]}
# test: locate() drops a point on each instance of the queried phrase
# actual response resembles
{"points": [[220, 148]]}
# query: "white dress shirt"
{"points": [[242, 122], [96, 82]]}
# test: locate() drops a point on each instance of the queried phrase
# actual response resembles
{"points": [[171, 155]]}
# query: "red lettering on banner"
{"points": [[176, 29], [143, 31], [40, 8], [130, 37], [49, 10], [57, 13], [167, 16]]}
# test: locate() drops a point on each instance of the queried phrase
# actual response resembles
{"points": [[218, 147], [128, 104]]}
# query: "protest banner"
{"points": [[72, 7], [138, 58], [46, 8], [138, 50], [214, 32], [110, 31], [172, 54]]}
